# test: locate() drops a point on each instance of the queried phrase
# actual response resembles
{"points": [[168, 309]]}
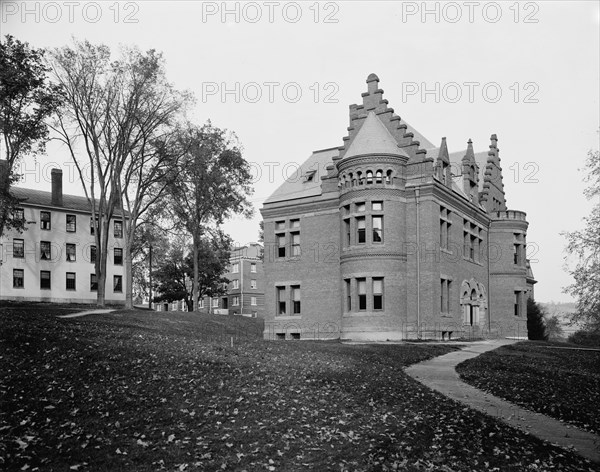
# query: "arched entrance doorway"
{"points": [[473, 301]]}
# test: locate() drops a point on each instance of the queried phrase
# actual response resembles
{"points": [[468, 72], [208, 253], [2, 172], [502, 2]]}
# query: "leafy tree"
{"points": [[175, 271], [553, 327], [117, 123], [27, 100], [585, 246], [210, 183], [536, 329]]}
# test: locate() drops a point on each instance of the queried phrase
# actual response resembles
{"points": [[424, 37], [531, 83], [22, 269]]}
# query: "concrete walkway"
{"points": [[439, 374], [85, 313]]}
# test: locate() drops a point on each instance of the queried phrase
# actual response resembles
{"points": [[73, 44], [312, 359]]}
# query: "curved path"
{"points": [[439, 374]]}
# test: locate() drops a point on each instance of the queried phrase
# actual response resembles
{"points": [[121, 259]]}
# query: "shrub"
{"points": [[536, 328], [585, 338]]}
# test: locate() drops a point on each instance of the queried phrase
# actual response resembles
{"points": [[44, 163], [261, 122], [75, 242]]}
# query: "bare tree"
{"points": [[115, 123]]}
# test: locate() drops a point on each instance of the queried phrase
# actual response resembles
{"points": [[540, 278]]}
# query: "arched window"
{"points": [[379, 176], [361, 179], [369, 177], [388, 176]]}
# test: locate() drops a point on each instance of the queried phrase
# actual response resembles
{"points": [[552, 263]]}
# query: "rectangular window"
{"points": [[118, 256], [236, 301], [253, 301], [279, 225], [448, 292], [516, 254], [225, 303], [70, 281], [294, 223], [71, 223], [93, 254], [378, 229], [295, 244], [442, 235], [360, 207], [348, 295], [117, 283], [118, 229], [296, 298], [19, 214], [362, 293], [472, 247], [517, 303], [360, 230], [215, 303], [235, 268], [443, 294], [347, 231], [45, 280], [45, 220], [281, 305], [92, 226], [71, 252], [19, 248], [201, 303], [281, 245], [45, 253], [253, 267], [252, 283], [467, 240], [377, 206], [377, 294], [235, 284], [93, 283], [18, 278]]}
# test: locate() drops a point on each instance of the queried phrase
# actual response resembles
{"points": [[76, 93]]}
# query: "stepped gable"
{"points": [[492, 178], [408, 139]]}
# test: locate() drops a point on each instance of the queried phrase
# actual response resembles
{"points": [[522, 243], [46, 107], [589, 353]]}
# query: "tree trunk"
{"points": [[196, 275], [128, 275]]}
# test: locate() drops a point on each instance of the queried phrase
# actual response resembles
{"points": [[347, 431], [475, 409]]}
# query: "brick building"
{"points": [[391, 237], [245, 291], [53, 260]]}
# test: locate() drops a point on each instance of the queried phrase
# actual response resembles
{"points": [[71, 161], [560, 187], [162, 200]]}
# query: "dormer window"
{"points": [[309, 176]]}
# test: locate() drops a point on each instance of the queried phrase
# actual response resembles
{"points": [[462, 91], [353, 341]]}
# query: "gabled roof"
{"points": [[306, 181], [44, 199], [374, 138]]}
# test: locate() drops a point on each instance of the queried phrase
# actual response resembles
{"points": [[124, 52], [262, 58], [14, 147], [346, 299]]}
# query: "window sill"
{"points": [[19, 288], [473, 261], [288, 317]]}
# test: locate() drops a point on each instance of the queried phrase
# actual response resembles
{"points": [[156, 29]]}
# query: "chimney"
{"points": [[57, 193]]}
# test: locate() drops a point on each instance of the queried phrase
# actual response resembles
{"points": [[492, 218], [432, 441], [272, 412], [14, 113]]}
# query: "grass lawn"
{"points": [[148, 391], [561, 383]]}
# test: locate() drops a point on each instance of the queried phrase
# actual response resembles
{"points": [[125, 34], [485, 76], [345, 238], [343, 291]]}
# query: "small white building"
{"points": [[53, 259]]}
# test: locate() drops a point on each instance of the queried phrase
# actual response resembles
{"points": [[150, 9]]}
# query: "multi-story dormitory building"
{"points": [[245, 291], [53, 260], [391, 237]]}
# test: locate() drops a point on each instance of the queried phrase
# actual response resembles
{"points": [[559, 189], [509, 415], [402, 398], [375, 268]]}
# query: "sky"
{"points": [[281, 75]]}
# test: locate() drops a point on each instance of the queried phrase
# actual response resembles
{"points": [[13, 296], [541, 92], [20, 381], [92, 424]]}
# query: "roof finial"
{"points": [[372, 83]]}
